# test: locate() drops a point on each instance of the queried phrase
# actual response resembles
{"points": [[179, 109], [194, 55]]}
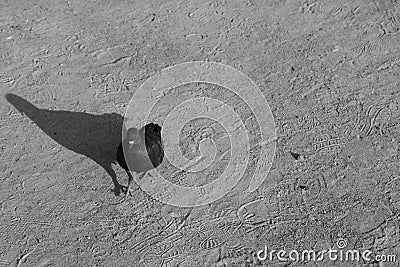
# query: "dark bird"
{"points": [[140, 151]]}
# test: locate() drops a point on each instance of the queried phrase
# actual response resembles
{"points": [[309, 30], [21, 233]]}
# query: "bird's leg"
{"points": [[128, 188]]}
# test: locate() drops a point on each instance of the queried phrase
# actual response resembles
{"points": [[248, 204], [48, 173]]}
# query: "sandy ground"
{"points": [[329, 70]]}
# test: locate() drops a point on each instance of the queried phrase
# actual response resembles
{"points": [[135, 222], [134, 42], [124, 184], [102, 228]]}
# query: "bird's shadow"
{"points": [[94, 136]]}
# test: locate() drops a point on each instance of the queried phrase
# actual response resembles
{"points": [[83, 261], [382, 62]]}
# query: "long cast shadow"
{"points": [[95, 136]]}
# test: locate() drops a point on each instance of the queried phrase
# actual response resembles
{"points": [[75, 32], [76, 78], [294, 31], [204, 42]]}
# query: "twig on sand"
{"points": [[23, 258]]}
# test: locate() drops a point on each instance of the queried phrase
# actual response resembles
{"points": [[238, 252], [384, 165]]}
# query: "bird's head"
{"points": [[133, 136]]}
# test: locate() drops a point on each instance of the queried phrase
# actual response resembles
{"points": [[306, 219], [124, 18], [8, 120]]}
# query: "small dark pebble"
{"points": [[295, 155]]}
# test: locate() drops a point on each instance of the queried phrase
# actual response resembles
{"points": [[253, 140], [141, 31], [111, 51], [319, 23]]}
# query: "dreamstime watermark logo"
{"points": [[157, 86], [339, 254]]}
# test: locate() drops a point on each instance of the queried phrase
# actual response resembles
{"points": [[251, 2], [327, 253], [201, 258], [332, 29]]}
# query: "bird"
{"points": [[141, 151]]}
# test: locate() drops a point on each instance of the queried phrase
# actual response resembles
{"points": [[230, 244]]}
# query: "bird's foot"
{"points": [[128, 194], [127, 190], [123, 188], [117, 190]]}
